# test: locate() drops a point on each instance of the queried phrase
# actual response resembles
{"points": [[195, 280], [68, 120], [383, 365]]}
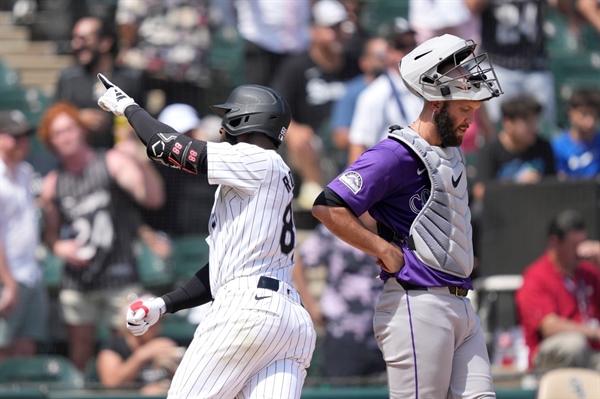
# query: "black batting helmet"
{"points": [[255, 108]]}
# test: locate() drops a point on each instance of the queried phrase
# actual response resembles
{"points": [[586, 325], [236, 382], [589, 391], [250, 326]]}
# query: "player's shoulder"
{"points": [[243, 153]]}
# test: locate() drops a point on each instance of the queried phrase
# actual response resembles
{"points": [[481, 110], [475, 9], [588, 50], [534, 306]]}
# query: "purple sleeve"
{"points": [[371, 178]]}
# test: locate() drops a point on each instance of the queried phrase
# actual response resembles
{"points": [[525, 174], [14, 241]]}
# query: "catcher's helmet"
{"points": [[255, 108], [431, 71]]}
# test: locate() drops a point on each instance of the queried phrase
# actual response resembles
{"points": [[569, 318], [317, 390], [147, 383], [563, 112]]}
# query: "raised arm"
{"points": [[144, 184], [163, 143]]}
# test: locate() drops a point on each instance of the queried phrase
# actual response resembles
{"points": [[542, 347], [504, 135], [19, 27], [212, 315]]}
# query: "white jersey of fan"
{"points": [[254, 342]]}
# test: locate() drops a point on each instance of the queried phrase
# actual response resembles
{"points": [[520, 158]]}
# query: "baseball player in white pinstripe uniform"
{"points": [[257, 340]]}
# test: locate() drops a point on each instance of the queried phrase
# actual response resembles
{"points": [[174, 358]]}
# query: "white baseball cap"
{"points": [[181, 117], [328, 13]]}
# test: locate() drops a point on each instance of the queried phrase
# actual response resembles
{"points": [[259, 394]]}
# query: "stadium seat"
{"points": [[383, 12], [50, 372], [177, 327], [32, 102], [569, 383], [155, 273], [52, 267], [226, 57], [495, 304], [571, 71], [189, 254], [9, 77], [10, 392]]}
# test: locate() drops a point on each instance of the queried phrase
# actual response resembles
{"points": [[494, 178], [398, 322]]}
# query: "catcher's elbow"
{"points": [[320, 212]]}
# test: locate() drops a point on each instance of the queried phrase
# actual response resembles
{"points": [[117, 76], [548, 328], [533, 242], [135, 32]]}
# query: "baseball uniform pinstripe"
{"points": [[254, 342], [257, 340]]}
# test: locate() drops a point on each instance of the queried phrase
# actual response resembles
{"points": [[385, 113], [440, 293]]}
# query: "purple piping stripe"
{"points": [[412, 339]]}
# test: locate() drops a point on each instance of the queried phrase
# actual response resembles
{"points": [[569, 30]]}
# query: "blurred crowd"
{"points": [[95, 203]]}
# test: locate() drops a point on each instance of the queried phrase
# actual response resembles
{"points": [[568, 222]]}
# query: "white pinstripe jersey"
{"points": [[251, 227]]}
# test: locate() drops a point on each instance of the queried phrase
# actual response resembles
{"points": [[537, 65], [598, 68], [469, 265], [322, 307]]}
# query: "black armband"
{"points": [[328, 197], [178, 151], [194, 292]]}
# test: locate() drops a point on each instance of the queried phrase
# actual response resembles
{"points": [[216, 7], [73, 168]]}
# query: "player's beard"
{"points": [[446, 127]]}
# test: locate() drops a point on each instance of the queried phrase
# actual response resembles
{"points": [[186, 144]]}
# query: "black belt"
{"points": [[268, 283], [458, 291]]}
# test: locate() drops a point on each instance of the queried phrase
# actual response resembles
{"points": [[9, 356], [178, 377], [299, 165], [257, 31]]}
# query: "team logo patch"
{"points": [[352, 180]]}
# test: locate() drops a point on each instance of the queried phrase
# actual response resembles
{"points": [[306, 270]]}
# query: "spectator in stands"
{"points": [[146, 362], [94, 44], [577, 150], [354, 26], [346, 306], [91, 216], [590, 12], [271, 33], [519, 154], [386, 101], [431, 19], [169, 42], [312, 82], [23, 300], [372, 62], [512, 34], [559, 302]]}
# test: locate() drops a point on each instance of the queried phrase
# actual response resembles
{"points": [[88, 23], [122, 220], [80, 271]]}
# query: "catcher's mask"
{"points": [[255, 108], [430, 71]]}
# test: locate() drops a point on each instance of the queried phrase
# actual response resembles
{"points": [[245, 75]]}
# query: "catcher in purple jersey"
{"points": [[414, 185]]}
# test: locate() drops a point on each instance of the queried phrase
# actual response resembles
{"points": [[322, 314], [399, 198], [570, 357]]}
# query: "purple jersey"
{"points": [[391, 182]]}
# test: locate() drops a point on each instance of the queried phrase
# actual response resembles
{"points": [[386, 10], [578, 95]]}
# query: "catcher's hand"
{"points": [[114, 99], [143, 314]]}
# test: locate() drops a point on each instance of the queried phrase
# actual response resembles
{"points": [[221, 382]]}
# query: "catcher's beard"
{"points": [[445, 125]]}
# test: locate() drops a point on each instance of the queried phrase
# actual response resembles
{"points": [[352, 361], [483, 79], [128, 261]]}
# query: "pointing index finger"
{"points": [[107, 83]]}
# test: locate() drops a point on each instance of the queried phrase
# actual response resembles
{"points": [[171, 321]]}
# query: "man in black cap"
{"points": [[23, 303]]}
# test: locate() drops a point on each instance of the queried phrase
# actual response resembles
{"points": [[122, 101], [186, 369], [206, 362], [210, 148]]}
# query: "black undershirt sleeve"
{"points": [[144, 124], [194, 292], [165, 145], [328, 197]]}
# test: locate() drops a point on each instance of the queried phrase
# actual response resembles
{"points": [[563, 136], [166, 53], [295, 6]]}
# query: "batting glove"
{"points": [[114, 99], [143, 314]]}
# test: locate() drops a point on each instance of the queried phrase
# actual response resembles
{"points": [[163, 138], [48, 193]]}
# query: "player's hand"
{"points": [[143, 314], [114, 99], [392, 260]]}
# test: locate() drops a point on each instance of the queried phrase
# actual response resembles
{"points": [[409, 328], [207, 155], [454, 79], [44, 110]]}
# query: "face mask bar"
{"points": [[453, 79]]}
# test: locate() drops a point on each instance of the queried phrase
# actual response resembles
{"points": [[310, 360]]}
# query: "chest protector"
{"points": [[441, 231]]}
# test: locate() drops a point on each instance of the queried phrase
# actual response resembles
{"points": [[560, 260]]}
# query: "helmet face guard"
{"points": [[255, 109], [444, 68]]}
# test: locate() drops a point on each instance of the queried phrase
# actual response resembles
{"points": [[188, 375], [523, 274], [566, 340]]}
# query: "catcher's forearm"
{"points": [[164, 144], [194, 292]]}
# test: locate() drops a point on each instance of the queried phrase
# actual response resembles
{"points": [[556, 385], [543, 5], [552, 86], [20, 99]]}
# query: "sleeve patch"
{"points": [[352, 180]]}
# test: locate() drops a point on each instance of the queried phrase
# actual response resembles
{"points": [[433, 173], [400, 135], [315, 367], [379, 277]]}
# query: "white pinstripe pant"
{"points": [[254, 343]]}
